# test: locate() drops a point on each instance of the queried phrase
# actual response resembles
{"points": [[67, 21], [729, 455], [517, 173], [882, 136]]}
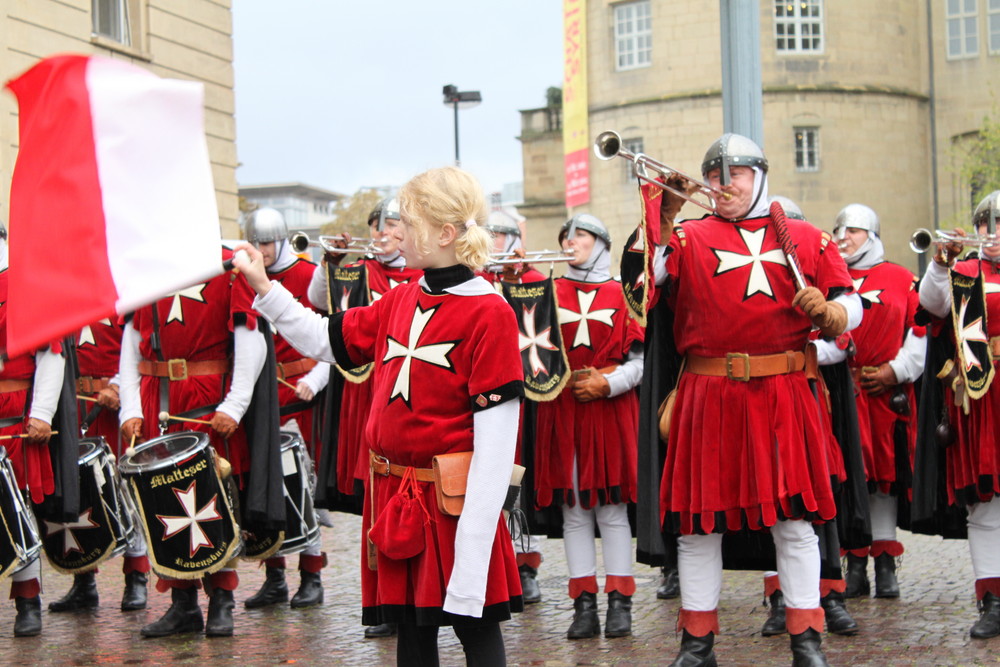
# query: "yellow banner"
{"points": [[576, 134]]}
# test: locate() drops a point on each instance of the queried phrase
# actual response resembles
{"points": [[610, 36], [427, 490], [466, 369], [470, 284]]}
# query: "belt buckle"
{"points": [[745, 377], [382, 463], [181, 365]]}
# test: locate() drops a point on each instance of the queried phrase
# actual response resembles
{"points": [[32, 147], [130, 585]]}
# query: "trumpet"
{"points": [[300, 241], [609, 145], [922, 239], [539, 256]]}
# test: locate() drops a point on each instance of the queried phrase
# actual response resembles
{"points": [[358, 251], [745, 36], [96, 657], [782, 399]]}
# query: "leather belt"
{"points": [[381, 466], [182, 369], [91, 385], [292, 368], [8, 386], [741, 367]]}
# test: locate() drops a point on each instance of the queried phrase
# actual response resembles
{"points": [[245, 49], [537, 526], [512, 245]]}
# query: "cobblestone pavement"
{"points": [[928, 625]]}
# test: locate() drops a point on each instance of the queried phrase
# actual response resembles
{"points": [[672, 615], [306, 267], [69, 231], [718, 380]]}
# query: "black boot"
{"points": [[380, 631], [310, 591], [272, 591], [775, 623], [807, 651], [838, 620], [134, 597], [585, 622], [670, 586], [220, 613], [696, 651], [28, 622], [886, 585], [857, 576], [82, 594], [619, 620], [530, 592], [988, 624], [184, 615]]}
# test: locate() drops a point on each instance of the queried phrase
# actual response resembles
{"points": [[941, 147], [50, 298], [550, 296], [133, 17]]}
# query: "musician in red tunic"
{"points": [[889, 357], [203, 347], [98, 349], [585, 442], [30, 385], [447, 379], [973, 460], [508, 244], [746, 444]]}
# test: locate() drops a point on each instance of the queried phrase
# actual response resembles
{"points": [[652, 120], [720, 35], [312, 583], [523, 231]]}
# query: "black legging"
{"points": [[417, 646]]}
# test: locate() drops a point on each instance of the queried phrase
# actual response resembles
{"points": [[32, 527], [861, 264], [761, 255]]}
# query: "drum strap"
{"points": [[10, 421], [292, 408], [154, 342], [195, 413]]}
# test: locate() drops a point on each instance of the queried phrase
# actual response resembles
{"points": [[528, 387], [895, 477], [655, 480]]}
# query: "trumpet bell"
{"points": [[921, 240], [607, 145]]}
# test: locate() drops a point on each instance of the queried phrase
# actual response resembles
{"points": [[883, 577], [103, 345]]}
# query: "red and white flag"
{"points": [[112, 204]]}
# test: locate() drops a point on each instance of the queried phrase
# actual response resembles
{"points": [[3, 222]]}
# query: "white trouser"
{"points": [[33, 570], [579, 536], [883, 512], [699, 565], [984, 538], [137, 545]]}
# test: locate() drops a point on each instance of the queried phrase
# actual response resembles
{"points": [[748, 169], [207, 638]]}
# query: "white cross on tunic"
{"points": [[435, 354], [973, 331], [87, 334], [872, 295], [176, 306], [192, 518], [392, 285], [531, 341], [585, 316], [757, 282]]}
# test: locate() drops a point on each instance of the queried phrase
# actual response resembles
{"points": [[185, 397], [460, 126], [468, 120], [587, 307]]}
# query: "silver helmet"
{"points": [[791, 209], [387, 209], [732, 150], [987, 212], [266, 225], [588, 223], [501, 222], [857, 216]]}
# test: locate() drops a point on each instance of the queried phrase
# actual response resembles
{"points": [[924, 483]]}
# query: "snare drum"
{"points": [[19, 540], [184, 507], [301, 526], [106, 522]]}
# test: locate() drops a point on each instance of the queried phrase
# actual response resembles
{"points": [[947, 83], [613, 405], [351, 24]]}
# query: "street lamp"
{"points": [[464, 100]]}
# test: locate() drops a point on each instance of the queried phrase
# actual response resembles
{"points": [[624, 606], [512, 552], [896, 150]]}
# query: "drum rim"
{"points": [[126, 465]]}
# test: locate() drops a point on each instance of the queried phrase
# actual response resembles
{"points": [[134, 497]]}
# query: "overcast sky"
{"points": [[343, 95]]}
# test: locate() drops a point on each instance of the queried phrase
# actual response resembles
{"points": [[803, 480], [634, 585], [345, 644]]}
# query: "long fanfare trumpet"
{"points": [[922, 239], [537, 256], [300, 242], [608, 145]]}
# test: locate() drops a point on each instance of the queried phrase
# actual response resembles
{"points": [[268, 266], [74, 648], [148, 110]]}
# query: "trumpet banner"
{"points": [[543, 356], [968, 312], [637, 258], [348, 288]]}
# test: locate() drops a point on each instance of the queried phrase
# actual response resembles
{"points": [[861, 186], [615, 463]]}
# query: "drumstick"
{"points": [[21, 435], [80, 397], [166, 416], [287, 383]]}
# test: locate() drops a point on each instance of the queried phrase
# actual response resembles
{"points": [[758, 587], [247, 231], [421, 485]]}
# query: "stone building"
{"points": [[182, 39], [862, 102]]}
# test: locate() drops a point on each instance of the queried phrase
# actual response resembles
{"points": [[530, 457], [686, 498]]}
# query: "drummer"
{"points": [[300, 379], [40, 374], [195, 329]]}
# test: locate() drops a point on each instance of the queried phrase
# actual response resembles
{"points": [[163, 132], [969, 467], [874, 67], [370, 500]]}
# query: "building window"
{"points": [[993, 23], [962, 18], [798, 26], [111, 20], [807, 149], [633, 35], [635, 146]]}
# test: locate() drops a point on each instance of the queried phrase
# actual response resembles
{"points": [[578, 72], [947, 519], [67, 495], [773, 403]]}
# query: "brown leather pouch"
{"points": [[451, 474], [666, 413]]}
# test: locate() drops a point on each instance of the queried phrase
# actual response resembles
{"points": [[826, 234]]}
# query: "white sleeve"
{"points": [[317, 378], [827, 352], [305, 329], [317, 291], [855, 310], [128, 375], [909, 361], [660, 265], [49, 370], [249, 353], [494, 441], [629, 374], [935, 290]]}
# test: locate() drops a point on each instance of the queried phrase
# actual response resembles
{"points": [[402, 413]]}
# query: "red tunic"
{"points": [[745, 453], [356, 399], [196, 324], [890, 289], [600, 435], [296, 280], [974, 460], [437, 357], [98, 348]]}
